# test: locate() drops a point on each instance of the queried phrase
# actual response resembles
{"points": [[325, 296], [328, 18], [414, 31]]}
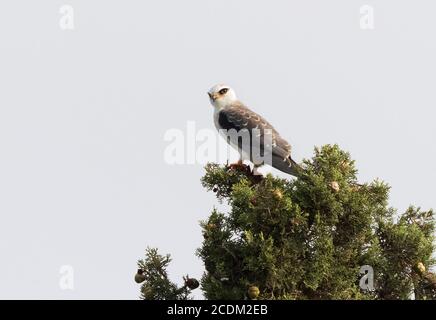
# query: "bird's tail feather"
{"points": [[295, 169], [288, 166]]}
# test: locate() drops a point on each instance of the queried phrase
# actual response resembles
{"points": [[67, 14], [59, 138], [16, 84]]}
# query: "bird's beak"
{"points": [[212, 96]]}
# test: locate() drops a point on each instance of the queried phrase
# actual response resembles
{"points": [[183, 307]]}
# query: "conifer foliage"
{"points": [[156, 285], [308, 238]]}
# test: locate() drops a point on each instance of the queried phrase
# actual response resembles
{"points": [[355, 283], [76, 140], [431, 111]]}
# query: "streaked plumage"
{"points": [[230, 113]]}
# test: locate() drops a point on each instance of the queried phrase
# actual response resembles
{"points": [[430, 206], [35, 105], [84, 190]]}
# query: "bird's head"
{"points": [[221, 95]]}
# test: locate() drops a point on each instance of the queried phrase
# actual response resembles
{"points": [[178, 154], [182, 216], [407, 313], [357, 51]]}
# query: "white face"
{"points": [[221, 95]]}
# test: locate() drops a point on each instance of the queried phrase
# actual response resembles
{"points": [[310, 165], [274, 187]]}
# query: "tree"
{"points": [[308, 238], [156, 285]]}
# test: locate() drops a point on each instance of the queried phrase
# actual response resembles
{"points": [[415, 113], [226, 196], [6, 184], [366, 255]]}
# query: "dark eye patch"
{"points": [[223, 91]]}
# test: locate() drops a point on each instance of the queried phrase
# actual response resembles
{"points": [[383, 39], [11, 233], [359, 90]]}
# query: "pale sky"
{"points": [[83, 114]]}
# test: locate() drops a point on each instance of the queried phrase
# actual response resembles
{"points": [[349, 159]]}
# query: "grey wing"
{"points": [[239, 117]]}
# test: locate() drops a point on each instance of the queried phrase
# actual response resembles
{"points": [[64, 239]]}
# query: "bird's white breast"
{"points": [[216, 115]]}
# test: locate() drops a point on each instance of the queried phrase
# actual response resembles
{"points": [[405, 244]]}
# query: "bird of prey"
{"points": [[230, 113]]}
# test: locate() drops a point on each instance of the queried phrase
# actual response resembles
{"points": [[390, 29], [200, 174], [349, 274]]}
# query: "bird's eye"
{"points": [[223, 91]]}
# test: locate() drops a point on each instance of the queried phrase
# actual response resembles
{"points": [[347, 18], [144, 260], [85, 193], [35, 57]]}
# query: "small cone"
{"points": [[139, 276], [421, 267], [192, 283], [335, 186], [278, 194], [253, 292]]}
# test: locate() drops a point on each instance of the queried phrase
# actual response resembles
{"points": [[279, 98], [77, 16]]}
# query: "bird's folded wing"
{"points": [[239, 117]]}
